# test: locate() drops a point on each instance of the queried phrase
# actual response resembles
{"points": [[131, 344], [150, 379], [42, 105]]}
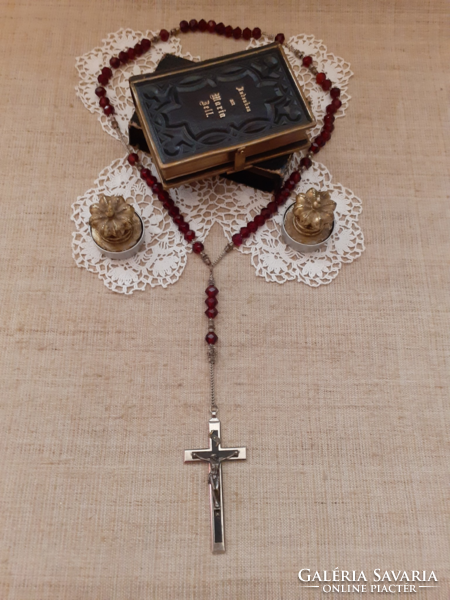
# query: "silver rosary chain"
{"points": [[212, 359]]}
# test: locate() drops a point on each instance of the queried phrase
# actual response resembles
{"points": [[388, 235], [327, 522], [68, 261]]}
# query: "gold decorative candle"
{"points": [[308, 223], [115, 227]]}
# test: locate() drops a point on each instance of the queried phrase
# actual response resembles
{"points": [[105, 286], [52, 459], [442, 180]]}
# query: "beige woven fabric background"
{"points": [[340, 393]]}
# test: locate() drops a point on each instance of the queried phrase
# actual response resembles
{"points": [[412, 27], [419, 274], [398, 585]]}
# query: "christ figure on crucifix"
{"points": [[214, 473]]}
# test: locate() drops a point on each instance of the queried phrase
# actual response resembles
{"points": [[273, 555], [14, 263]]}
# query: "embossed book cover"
{"points": [[222, 114]]}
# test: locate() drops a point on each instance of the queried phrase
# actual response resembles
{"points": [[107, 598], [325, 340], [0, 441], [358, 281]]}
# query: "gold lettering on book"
{"points": [[206, 107], [217, 99], [243, 96]]}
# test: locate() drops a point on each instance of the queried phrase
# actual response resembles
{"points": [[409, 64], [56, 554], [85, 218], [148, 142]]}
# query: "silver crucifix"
{"points": [[214, 456]]}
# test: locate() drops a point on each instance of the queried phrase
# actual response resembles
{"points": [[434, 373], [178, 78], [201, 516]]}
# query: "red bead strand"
{"points": [[211, 312], [211, 338], [164, 35]]}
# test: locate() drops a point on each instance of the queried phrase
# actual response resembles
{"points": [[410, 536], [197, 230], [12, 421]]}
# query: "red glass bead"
{"points": [[114, 62], [102, 79], [211, 27], [202, 25], [306, 162], [220, 28], [193, 25], [166, 201], [245, 232], [123, 57], [307, 61], [145, 173], [279, 199], [326, 135], [163, 196], [265, 213], [285, 193], [106, 71], [228, 31], [178, 219], [256, 33], [237, 239], [237, 33], [319, 141], [156, 187], [100, 91], [252, 226], [320, 78], [211, 338], [280, 38], [198, 249], [329, 119], [104, 101], [326, 85], [189, 236], [211, 313], [138, 50], [247, 33], [328, 127], [314, 148], [211, 291], [151, 180], [335, 92], [131, 53], [331, 109], [164, 35], [184, 228], [295, 176], [133, 158], [109, 110], [289, 185], [145, 44], [272, 207], [184, 26], [174, 211], [211, 302], [259, 220], [336, 103]]}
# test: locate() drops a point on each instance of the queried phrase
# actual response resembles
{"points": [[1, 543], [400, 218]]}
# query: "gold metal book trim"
{"points": [[229, 167]]}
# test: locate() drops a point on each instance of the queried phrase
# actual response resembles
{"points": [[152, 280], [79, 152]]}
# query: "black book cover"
{"points": [[266, 175]]}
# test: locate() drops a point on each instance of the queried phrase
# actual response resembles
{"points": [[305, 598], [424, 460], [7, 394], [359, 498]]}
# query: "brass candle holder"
{"points": [[309, 222], [116, 229]]}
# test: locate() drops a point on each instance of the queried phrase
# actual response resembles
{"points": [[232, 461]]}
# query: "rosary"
{"points": [[215, 454]]}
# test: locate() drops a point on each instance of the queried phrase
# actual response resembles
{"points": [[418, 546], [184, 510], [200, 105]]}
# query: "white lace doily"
{"points": [[213, 200]]}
